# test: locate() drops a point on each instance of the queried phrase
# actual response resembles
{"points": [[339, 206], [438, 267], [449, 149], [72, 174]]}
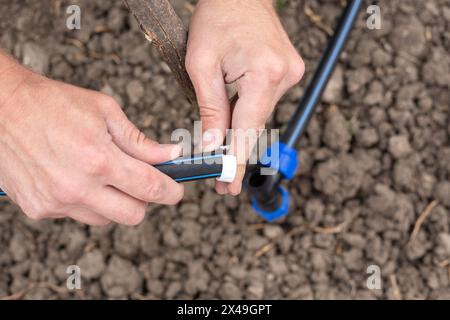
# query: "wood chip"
{"points": [[317, 20], [423, 216], [396, 290]]}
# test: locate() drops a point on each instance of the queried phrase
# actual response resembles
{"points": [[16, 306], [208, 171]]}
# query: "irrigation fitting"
{"points": [[216, 164], [269, 198]]}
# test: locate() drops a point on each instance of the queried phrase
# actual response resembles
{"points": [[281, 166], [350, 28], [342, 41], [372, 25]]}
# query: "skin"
{"points": [[71, 152], [245, 44]]}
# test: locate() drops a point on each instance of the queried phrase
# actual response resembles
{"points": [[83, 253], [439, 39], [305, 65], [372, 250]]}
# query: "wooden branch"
{"points": [[165, 30]]}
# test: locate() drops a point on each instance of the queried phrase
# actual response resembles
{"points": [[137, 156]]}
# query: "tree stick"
{"points": [[165, 30]]}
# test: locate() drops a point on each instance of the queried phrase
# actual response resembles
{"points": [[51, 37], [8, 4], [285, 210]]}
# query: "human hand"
{"points": [[71, 152], [242, 42]]}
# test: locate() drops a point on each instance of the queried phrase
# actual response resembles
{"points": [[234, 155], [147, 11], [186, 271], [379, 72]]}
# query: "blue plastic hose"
{"points": [[196, 167]]}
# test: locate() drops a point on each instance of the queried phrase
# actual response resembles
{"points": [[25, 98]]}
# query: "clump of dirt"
{"points": [[374, 157]]}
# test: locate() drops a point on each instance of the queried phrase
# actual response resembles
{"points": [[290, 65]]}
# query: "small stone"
{"points": [[374, 94], [173, 289], [256, 290], [121, 278], [355, 240], [135, 91], [336, 133], [443, 243], [278, 266], [116, 19], [442, 193], [155, 287], [314, 210], [17, 247], [35, 57], [230, 291], [409, 35], [358, 78], [92, 264], [399, 146], [382, 199], [333, 91], [367, 137], [126, 241], [208, 202], [189, 210], [339, 178], [405, 174], [272, 231], [191, 233], [285, 111]]}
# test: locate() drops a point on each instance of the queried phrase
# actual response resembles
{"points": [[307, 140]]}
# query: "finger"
{"points": [[221, 187], [116, 206], [87, 216], [142, 181], [209, 84], [133, 142], [257, 98]]}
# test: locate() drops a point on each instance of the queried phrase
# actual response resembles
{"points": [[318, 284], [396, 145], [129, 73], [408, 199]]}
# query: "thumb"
{"points": [[134, 143], [213, 102]]}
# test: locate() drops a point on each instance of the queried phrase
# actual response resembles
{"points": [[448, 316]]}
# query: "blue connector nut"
{"points": [[280, 212], [283, 159]]}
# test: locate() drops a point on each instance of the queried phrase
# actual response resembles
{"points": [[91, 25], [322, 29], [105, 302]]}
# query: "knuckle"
{"points": [[178, 197], [276, 70], [155, 190], [96, 164], [209, 112], [107, 102], [68, 193], [200, 62], [134, 135], [297, 70], [136, 216]]}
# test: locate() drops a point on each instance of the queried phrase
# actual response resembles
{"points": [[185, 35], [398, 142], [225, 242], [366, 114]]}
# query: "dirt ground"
{"points": [[375, 158]]}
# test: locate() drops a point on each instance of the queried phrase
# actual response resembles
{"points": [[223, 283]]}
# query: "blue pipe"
{"points": [[181, 171], [192, 168], [269, 199], [315, 88]]}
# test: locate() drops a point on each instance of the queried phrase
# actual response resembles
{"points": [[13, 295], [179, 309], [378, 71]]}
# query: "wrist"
{"points": [[12, 76]]}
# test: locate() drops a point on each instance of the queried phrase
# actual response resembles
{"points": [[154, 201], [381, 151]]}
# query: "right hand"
{"points": [[71, 152]]}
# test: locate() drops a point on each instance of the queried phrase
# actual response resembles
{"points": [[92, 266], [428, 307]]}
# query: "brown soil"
{"points": [[375, 156]]}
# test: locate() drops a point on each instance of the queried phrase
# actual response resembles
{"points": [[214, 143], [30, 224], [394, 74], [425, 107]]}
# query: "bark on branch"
{"points": [[165, 30]]}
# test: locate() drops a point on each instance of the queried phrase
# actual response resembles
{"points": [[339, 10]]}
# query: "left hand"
{"points": [[242, 42]]}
